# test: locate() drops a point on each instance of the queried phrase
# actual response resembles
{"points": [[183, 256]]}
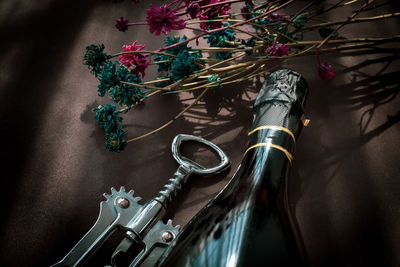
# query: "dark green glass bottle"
{"points": [[248, 223]]}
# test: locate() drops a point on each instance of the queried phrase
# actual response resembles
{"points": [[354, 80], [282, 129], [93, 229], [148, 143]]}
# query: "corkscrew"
{"points": [[144, 231]]}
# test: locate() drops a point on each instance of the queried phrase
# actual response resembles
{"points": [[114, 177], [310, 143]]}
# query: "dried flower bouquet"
{"points": [[242, 45]]}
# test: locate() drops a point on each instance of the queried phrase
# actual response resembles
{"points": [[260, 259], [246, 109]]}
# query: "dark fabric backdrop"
{"points": [[344, 185]]}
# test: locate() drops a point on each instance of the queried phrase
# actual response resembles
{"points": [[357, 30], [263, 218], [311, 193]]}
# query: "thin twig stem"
{"points": [[366, 19], [355, 13], [146, 86], [143, 52], [172, 120], [141, 100]]}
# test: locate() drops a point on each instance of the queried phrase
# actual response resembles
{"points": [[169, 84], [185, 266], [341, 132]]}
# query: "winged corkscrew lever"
{"points": [[142, 224]]}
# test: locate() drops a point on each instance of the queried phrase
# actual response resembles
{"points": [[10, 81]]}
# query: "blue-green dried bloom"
{"points": [[216, 80], [107, 117], [222, 39], [176, 39], [166, 66], [125, 94], [249, 43], [184, 64], [95, 58], [300, 21], [108, 78], [115, 141]]}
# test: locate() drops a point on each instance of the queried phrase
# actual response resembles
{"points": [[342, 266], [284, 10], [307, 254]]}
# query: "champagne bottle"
{"points": [[248, 223]]}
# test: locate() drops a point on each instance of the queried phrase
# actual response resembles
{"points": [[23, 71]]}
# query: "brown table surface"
{"points": [[345, 181]]}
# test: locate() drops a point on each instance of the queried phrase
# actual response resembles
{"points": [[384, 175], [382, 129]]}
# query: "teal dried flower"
{"points": [[175, 39], [325, 31], [216, 80], [174, 50], [107, 117], [250, 43], [125, 94], [115, 141], [123, 74], [300, 21], [108, 78], [222, 39], [95, 58], [184, 64], [165, 66]]}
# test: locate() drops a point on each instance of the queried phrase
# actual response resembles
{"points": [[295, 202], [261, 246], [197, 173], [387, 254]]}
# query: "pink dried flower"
{"points": [[121, 24], [187, 2], [138, 61], [193, 10], [325, 71], [276, 17], [162, 19], [278, 50], [212, 12], [245, 12]]}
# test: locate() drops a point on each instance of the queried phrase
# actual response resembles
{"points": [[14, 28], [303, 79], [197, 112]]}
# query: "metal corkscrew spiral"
{"points": [[188, 167], [171, 189]]}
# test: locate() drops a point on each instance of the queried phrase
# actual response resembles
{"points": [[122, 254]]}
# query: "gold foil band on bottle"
{"points": [[269, 144], [274, 127], [287, 153]]}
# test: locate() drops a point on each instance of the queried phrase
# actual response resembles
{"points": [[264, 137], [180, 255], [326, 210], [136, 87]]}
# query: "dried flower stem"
{"points": [[248, 33], [157, 81], [303, 43], [354, 40], [337, 5], [140, 101], [143, 52], [136, 23], [145, 86], [213, 20], [221, 3], [225, 20], [172, 120], [355, 13], [366, 19]]}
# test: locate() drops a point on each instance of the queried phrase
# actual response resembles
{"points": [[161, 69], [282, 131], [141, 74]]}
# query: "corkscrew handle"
{"points": [[194, 166]]}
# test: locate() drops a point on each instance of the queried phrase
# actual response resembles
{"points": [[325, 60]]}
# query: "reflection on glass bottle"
{"points": [[248, 223]]}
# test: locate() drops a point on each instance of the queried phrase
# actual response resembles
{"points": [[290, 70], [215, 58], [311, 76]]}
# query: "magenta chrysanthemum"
{"points": [[211, 13], [276, 17], [121, 24], [162, 19], [136, 60], [325, 71], [193, 10], [278, 50]]}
